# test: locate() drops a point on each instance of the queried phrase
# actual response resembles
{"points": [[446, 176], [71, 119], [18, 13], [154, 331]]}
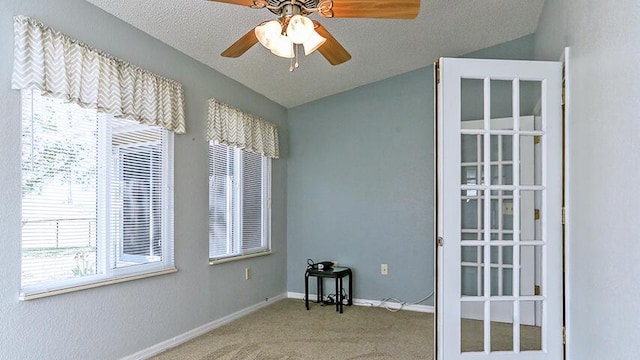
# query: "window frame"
{"points": [[109, 267], [237, 219]]}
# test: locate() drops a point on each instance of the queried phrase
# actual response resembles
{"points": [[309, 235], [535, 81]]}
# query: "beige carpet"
{"points": [[285, 330]]}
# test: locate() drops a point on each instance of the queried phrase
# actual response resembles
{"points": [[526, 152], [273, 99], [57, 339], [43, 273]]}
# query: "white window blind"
{"points": [[96, 196], [239, 196]]}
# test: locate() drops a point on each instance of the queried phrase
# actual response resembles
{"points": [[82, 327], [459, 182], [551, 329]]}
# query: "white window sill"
{"points": [[52, 292], [237, 258]]}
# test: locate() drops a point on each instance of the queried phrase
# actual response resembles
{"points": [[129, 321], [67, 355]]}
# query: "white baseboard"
{"points": [[200, 330], [373, 303]]}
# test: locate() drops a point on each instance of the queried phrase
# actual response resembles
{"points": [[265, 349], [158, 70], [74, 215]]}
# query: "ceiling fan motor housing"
{"points": [[290, 8]]}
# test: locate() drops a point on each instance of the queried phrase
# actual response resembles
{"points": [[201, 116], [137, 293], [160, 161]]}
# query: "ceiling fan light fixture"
{"points": [[269, 33], [300, 29], [313, 43], [282, 47]]}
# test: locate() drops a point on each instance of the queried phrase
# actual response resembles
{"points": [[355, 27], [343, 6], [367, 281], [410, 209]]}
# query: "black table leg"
{"points": [[340, 298], [350, 288], [306, 290], [337, 294]]}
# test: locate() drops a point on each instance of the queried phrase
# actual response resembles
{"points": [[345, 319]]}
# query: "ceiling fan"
{"points": [[293, 31]]}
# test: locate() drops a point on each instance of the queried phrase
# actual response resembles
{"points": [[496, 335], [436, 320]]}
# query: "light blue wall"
{"points": [[118, 320], [360, 188], [361, 175], [604, 168], [551, 35]]}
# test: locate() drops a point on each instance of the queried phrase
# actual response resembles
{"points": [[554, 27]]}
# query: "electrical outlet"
{"points": [[247, 273], [384, 269]]}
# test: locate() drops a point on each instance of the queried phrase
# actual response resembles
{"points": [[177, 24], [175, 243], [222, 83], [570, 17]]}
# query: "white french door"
{"points": [[499, 210]]}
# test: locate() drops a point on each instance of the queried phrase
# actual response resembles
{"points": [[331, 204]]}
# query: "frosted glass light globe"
{"points": [[313, 43], [282, 47], [268, 33], [299, 29]]}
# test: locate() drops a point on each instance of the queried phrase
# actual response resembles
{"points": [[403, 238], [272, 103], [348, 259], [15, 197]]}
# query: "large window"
{"points": [[239, 195], [97, 197]]}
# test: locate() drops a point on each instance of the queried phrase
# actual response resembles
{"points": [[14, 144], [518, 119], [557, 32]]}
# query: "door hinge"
{"points": [[536, 214], [437, 66], [537, 290], [564, 335], [564, 215], [440, 241], [537, 139]]}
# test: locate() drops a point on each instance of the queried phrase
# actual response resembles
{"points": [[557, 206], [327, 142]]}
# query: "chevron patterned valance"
{"points": [[233, 127], [60, 66]]}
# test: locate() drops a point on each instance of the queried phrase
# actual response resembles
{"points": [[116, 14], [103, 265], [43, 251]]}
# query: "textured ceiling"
{"points": [[380, 48]]}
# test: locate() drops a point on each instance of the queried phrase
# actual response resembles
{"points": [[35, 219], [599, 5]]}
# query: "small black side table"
{"points": [[337, 273]]}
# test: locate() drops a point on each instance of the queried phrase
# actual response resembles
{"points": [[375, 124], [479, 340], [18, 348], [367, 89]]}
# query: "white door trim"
{"points": [[565, 59]]}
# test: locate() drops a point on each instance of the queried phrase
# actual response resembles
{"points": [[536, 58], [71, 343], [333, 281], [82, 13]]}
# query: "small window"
{"points": [[239, 197], [96, 196]]}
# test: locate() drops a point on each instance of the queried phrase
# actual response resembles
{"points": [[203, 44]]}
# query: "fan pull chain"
{"points": [[292, 65], [293, 49]]}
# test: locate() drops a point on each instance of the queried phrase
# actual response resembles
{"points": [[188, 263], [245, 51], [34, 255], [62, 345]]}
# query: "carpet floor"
{"points": [[285, 330]]}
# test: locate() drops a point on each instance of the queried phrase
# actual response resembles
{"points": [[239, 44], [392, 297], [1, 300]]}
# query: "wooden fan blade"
{"points": [[236, 2], [376, 9], [331, 49], [242, 45]]}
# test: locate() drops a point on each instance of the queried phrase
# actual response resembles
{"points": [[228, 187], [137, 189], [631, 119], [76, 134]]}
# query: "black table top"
{"points": [[335, 271]]}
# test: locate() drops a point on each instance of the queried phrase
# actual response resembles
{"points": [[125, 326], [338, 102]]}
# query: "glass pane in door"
{"points": [[471, 213], [501, 212], [529, 149], [501, 104], [530, 98], [530, 335], [472, 328], [502, 325], [471, 99], [501, 270], [472, 271], [530, 215]]}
